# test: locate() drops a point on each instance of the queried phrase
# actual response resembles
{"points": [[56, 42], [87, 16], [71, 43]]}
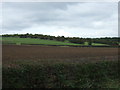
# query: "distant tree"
{"points": [[90, 43], [76, 40], [60, 38]]}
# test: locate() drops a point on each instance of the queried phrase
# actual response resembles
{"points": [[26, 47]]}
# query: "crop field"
{"points": [[29, 52], [19, 41], [14, 40], [27, 66]]}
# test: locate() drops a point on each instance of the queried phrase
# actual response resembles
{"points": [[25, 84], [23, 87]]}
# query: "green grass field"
{"points": [[19, 41], [96, 44]]}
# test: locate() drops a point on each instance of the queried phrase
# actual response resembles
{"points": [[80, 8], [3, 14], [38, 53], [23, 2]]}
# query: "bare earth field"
{"points": [[57, 54]]}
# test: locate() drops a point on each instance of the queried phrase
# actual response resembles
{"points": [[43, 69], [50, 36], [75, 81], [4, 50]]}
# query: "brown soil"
{"points": [[29, 52]]}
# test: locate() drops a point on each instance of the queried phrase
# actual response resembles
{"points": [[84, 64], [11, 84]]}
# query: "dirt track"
{"points": [[14, 52]]}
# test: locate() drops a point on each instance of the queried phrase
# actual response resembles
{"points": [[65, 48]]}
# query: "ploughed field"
{"points": [[57, 54]]}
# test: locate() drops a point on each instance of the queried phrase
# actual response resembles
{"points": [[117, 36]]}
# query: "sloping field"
{"points": [[15, 40], [35, 41]]}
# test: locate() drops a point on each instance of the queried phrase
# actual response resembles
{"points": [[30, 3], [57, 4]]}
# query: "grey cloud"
{"points": [[15, 14], [88, 16]]}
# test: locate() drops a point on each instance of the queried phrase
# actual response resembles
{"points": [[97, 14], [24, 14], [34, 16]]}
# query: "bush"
{"points": [[95, 75]]}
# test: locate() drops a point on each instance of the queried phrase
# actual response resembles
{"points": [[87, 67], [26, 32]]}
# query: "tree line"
{"points": [[107, 40]]}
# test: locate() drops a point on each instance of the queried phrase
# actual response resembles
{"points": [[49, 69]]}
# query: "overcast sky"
{"points": [[67, 19]]}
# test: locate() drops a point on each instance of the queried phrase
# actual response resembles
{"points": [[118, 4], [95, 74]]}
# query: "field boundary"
{"points": [[64, 45]]}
